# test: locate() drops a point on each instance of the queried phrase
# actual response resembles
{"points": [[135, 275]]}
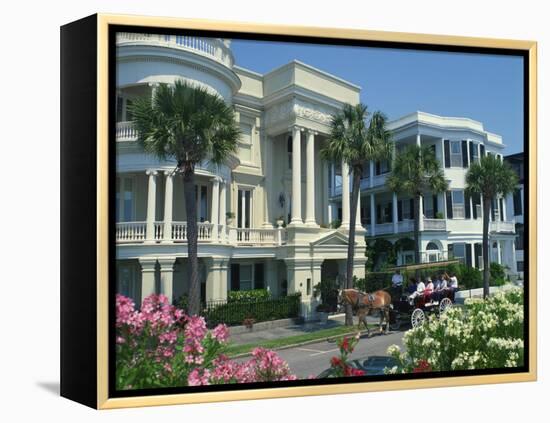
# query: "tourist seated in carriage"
{"points": [[429, 289], [420, 287], [440, 287]]}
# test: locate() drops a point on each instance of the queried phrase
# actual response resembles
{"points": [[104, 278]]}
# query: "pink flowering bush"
{"points": [[160, 346]]}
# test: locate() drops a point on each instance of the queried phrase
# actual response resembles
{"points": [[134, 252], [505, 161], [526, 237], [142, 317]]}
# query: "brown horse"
{"points": [[363, 303]]}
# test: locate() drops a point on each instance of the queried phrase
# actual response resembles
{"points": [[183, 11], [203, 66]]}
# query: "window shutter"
{"points": [[400, 210], [501, 209], [235, 277], [378, 213], [472, 146], [447, 150], [413, 211], [493, 210], [377, 170], [468, 210], [464, 153], [449, 205], [477, 252], [259, 276], [482, 150], [469, 255], [435, 206]]}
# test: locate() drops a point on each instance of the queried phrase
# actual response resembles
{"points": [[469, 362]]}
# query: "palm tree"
{"points": [[188, 124], [491, 178], [356, 142], [415, 171]]}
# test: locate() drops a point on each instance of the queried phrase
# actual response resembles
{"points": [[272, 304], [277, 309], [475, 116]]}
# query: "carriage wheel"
{"points": [[444, 304], [417, 318]]}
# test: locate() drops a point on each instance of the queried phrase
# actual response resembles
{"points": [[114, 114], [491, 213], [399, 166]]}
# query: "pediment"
{"points": [[335, 238]]}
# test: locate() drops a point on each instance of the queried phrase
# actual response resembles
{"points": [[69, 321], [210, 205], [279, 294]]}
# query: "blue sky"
{"points": [[487, 88]]}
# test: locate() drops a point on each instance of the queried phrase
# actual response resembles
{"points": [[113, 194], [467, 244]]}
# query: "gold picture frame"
{"points": [[102, 22]]}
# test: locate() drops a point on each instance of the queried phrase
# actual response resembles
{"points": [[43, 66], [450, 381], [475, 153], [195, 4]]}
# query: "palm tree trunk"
{"points": [[351, 239], [192, 239], [416, 231], [485, 249]]}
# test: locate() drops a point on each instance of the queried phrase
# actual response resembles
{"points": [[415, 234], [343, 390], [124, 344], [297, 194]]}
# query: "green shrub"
{"points": [[234, 313], [251, 295], [485, 334], [497, 274], [327, 290]]}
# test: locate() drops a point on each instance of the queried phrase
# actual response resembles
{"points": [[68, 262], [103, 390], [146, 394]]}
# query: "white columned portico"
{"points": [[166, 265], [148, 266], [310, 179], [372, 215], [395, 220], [296, 216], [168, 204], [345, 196], [215, 210], [223, 202], [151, 204]]}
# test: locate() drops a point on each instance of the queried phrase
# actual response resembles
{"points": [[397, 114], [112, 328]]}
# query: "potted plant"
{"points": [[229, 218], [322, 311], [280, 221]]}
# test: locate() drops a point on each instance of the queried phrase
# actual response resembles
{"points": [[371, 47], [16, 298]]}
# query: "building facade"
{"points": [[515, 204], [275, 189], [451, 224]]}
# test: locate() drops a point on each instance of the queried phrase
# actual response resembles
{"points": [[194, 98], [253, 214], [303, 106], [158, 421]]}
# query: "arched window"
{"points": [[432, 246]]}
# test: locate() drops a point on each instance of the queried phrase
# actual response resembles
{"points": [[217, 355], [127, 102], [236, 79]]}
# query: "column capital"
{"points": [[293, 128], [217, 180], [147, 264], [310, 131], [166, 263], [169, 173], [152, 172]]}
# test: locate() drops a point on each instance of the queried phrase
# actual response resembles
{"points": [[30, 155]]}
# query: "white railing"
{"points": [[256, 236], [405, 226], [204, 231], [130, 231], [431, 256], [213, 48], [502, 226], [379, 180], [159, 230], [458, 212], [179, 231], [435, 224], [384, 228], [126, 131]]}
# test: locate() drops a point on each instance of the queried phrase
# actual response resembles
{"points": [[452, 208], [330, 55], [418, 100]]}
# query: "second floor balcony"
{"points": [[161, 232]]}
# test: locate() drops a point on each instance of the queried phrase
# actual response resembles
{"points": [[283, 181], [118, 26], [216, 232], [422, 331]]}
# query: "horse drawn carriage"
{"points": [[415, 311]]}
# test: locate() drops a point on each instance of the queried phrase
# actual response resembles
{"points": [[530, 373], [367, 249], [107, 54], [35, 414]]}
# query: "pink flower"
{"points": [[221, 333], [198, 377]]}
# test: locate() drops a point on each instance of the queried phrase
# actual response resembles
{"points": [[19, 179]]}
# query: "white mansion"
{"points": [[451, 224], [284, 116]]}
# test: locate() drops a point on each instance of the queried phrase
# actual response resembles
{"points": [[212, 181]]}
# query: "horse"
{"points": [[363, 303]]}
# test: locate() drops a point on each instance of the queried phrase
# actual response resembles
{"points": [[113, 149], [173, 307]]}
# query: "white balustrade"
{"points": [[130, 231], [256, 236], [159, 231], [405, 225], [380, 179], [435, 224], [213, 48], [502, 226], [126, 131], [179, 231], [384, 228]]}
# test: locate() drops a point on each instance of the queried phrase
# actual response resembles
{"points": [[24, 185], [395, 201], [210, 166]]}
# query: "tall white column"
{"points": [[395, 217], [468, 152], [503, 211], [310, 179], [168, 203], [296, 217], [372, 215], [345, 196], [214, 212], [329, 213], [223, 203], [418, 140], [443, 154], [148, 266], [358, 222], [371, 173], [167, 276], [151, 204], [421, 214], [499, 255]]}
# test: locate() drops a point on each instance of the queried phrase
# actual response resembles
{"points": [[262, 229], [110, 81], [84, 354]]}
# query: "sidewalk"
{"points": [[257, 336]]}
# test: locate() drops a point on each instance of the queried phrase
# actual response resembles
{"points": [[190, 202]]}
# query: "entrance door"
{"points": [[244, 201]]}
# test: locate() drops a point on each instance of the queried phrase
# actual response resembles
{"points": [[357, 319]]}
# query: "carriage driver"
{"points": [[397, 283]]}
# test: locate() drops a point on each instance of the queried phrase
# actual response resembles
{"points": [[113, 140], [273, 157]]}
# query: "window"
{"points": [[119, 108], [459, 251], [384, 166], [456, 154], [243, 208], [520, 266], [518, 209], [406, 209], [245, 282], [124, 207], [201, 193], [129, 115], [458, 204], [519, 241]]}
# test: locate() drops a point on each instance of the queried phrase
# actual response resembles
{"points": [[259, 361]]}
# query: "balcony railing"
{"points": [[405, 226], [502, 226], [384, 228], [213, 48], [125, 131], [136, 232], [435, 224]]}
